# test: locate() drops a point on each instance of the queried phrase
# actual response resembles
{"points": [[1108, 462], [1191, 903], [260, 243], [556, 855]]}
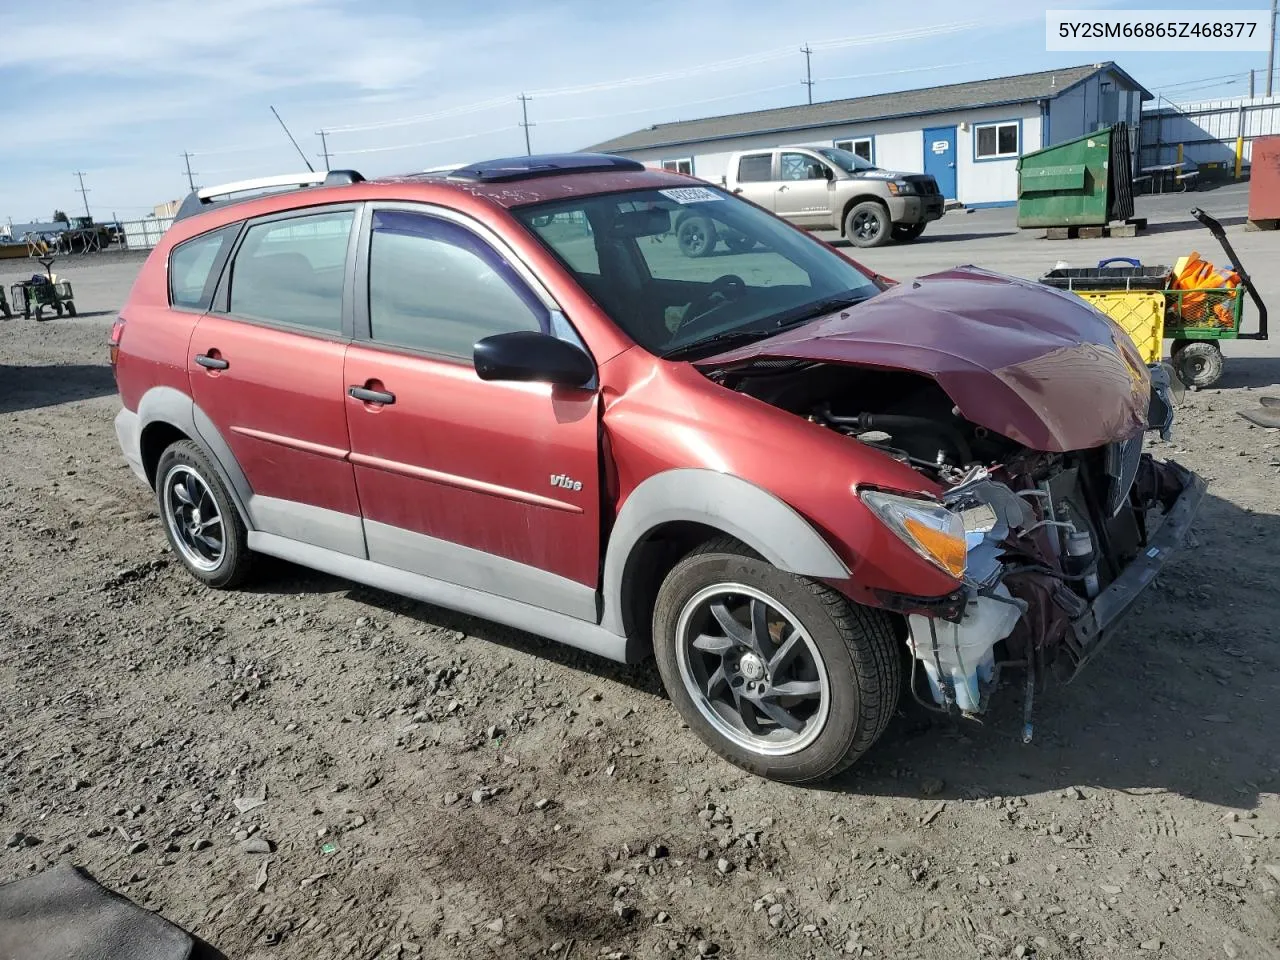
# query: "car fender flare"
{"points": [[730, 504], [172, 406]]}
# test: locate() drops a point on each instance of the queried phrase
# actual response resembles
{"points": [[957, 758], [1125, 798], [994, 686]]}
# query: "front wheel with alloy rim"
{"points": [[779, 675], [202, 524], [867, 224]]}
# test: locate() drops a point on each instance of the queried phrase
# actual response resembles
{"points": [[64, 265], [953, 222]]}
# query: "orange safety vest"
{"points": [[1193, 273]]}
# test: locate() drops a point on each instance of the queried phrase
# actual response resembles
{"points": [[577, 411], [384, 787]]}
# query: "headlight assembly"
{"points": [[928, 528]]}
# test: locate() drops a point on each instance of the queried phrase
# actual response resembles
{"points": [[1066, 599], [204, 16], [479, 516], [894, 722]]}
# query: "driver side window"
{"points": [[800, 166]]}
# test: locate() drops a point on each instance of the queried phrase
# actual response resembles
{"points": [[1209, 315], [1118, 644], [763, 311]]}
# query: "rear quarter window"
{"points": [[191, 263]]}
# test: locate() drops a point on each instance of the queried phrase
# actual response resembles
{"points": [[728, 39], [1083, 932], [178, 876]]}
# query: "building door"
{"points": [[940, 158]]}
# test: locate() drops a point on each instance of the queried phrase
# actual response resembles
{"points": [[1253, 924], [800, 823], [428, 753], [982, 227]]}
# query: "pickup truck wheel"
{"points": [[696, 236], [867, 224], [202, 524], [777, 674], [906, 232]]}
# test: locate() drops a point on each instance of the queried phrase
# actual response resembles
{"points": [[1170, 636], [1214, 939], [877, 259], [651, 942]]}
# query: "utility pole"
{"points": [[191, 177], [524, 112], [84, 193], [1250, 84], [808, 70], [324, 149], [1271, 50]]}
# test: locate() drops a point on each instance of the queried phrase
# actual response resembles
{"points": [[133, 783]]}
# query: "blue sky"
{"points": [[119, 90]]}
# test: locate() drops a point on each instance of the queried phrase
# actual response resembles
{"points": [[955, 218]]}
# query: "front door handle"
{"points": [[372, 396], [211, 362]]}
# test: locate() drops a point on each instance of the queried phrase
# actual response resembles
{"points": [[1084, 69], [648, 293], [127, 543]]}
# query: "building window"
{"points": [[995, 140], [682, 165], [860, 146]]}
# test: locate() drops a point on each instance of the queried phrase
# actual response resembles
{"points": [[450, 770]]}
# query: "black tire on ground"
{"points": [[858, 650], [1198, 363], [867, 224], [57, 308], [906, 232], [71, 309], [179, 462], [739, 244], [696, 236], [39, 313]]}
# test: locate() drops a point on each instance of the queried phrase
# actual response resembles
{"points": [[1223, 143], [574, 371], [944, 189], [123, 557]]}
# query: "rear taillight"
{"points": [[117, 331]]}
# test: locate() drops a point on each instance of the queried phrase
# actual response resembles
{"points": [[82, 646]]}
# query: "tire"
{"points": [[185, 464], [739, 244], [845, 665], [906, 232], [696, 236], [867, 224], [71, 309], [39, 314], [57, 308], [1198, 363]]}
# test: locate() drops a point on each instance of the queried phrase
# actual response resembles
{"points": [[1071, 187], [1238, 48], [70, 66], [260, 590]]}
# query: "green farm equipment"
{"points": [[32, 297]]}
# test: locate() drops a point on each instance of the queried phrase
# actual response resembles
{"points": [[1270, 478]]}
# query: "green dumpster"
{"points": [[1087, 181]]}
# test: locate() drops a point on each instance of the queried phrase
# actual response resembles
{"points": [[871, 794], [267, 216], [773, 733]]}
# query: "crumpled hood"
{"points": [[1031, 363]]}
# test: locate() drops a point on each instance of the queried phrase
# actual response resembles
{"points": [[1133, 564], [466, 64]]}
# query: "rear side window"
{"points": [[755, 168], [291, 271], [436, 286], [191, 267]]}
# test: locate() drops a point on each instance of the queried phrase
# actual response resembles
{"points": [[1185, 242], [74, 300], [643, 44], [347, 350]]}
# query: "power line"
{"points": [[191, 177], [84, 193], [524, 112], [747, 60], [808, 71]]}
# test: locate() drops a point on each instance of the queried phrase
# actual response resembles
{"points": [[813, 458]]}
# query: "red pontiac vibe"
{"points": [[504, 390]]}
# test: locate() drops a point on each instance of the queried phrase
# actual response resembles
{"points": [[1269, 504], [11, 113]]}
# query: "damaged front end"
{"points": [[1059, 548]]}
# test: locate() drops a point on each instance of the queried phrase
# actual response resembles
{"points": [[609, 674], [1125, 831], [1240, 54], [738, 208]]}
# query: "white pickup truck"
{"points": [[824, 188]]}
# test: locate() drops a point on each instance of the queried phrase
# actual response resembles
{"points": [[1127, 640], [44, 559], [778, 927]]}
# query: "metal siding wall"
{"points": [[145, 234], [1207, 128]]}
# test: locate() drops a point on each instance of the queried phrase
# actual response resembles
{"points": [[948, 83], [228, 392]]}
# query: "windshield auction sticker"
{"points": [[690, 194], [1187, 31]]}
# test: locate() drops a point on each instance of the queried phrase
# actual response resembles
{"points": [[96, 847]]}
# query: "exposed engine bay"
{"points": [[1058, 544]]}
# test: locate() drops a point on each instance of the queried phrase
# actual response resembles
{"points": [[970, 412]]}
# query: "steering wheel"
{"points": [[723, 290]]}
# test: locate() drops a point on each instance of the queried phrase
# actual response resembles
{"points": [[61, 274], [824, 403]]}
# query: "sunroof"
{"points": [[546, 165]]}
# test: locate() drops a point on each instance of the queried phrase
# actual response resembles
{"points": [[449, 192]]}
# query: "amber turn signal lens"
{"points": [[947, 551]]}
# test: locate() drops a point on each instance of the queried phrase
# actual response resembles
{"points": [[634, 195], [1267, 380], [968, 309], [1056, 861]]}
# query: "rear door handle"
{"points": [[372, 396], [211, 363]]}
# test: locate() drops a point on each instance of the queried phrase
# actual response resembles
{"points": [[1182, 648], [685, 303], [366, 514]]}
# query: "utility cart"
{"points": [[33, 296], [1193, 304]]}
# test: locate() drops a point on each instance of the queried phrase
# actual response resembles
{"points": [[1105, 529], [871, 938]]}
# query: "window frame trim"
{"points": [[1013, 122], [871, 140], [362, 330], [678, 160], [212, 282], [222, 296]]}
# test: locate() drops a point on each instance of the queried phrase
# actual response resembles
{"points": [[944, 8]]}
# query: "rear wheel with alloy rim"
{"points": [[200, 520], [779, 675]]}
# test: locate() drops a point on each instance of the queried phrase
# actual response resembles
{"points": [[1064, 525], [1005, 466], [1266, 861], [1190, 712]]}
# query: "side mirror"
{"points": [[529, 356]]}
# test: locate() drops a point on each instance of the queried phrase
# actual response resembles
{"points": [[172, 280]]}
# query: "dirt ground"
{"points": [[309, 769]]}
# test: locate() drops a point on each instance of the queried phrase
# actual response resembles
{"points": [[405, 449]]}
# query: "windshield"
{"points": [[677, 268], [846, 161]]}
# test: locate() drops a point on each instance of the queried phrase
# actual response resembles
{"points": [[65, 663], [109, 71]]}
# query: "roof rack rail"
{"points": [[200, 200], [546, 165]]}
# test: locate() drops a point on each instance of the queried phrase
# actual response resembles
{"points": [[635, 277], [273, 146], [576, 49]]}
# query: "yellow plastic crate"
{"points": [[1139, 312]]}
